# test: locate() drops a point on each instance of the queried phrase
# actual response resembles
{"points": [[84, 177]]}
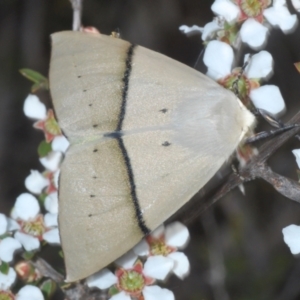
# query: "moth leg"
{"points": [[273, 121]]}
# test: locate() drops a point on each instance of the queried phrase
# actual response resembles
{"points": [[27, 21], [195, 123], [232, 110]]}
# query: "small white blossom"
{"points": [[218, 58], [174, 236]]}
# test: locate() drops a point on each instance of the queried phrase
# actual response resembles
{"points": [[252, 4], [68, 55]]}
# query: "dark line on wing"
{"points": [[125, 79], [118, 136], [138, 212]]}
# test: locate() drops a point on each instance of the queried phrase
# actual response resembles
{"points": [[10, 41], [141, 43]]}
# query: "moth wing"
{"points": [[178, 128]]}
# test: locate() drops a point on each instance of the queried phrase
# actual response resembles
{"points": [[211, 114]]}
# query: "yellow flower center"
{"points": [[6, 295], [252, 8], [35, 227], [132, 281]]}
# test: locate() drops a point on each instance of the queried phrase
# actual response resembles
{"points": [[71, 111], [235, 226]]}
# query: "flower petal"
{"points": [[51, 220], [296, 152], [158, 267], [60, 143], [155, 292], [226, 9], [30, 292], [191, 30], [268, 97], [296, 4], [29, 242], [120, 296], [36, 182], [12, 225], [52, 161], [102, 279], [7, 248], [182, 266], [6, 280], [26, 207], [218, 58], [51, 203], [279, 15], [260, 66], [142, 248], [254, 34], [127, 260], [3, 224], [210, 28], [52, 236], [34, 108], [159, 231], [56, 177], [177, 235], [291, 236]]}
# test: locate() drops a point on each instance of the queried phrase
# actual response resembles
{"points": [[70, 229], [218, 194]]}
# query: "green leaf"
{"points": [[44, 149], [4, 268], [48, 287], [28, 255], [40, 81]]}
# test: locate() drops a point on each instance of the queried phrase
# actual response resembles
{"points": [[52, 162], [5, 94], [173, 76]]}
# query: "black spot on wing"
{"points": [[166, 144]]}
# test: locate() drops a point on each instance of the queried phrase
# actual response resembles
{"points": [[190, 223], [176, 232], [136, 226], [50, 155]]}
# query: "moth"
{"points": [[146, 133]]}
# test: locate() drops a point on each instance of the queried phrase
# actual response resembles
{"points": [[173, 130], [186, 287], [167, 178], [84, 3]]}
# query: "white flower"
{"points": [[291, 236], [36, 182], [34, 108], [252, 31], [7, 280], [32, 226], [296, 152], [174, 236], [132, 269], [30, 292], [218, 58]]}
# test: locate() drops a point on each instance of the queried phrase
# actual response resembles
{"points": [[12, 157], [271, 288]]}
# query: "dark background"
{"points": [[236, 249]]}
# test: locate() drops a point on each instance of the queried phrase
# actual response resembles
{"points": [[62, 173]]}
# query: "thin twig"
{"points": [[77, 12]]}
